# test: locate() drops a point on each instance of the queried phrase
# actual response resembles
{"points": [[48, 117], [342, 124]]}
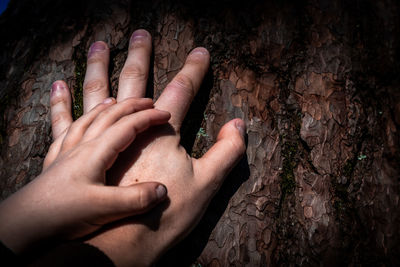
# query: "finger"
{"points": [[79, 127], [117, 202], [223, 155], [60, 108], [134, 74], [110, 115], [53, 152], [180, 92], [61, 118], [95, 86], [116, 138]]}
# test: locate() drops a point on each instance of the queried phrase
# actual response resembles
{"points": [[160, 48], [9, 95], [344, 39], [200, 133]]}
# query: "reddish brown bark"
{"points": [[316, 82]]}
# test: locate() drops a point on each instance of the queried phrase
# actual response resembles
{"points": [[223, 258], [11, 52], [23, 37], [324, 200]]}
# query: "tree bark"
{"points": [[315, 81]]}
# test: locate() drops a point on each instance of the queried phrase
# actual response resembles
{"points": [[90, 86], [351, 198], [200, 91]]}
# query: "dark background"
{"points": [[317, 83]]}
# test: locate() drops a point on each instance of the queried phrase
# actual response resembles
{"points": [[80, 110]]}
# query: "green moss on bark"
{"points": [[79, 59], [288, 182]]}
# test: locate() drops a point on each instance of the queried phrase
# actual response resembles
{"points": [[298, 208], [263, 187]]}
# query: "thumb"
{"points": [[223, 155], [117, 202]]}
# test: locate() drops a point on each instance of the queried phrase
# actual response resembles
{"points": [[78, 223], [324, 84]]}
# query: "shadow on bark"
{"points": [[188, 251]]}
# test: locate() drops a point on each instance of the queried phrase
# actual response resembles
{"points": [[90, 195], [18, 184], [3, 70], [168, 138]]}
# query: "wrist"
{"points": [[126, 246], [21, 224], [13, 233]]}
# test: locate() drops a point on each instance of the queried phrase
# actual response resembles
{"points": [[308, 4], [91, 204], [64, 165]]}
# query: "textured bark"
{"points": [[316, 82]]}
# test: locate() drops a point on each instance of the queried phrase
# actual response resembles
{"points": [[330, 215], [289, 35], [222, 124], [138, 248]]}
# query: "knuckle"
{"points": [[195, 60], [145, 199], [58, 118], [73, 131], [96, 58], [133, 72], [140, 43], [58, 99], [94, 86], [106, 112], [143, 124], [185, 83], [100, 107]]}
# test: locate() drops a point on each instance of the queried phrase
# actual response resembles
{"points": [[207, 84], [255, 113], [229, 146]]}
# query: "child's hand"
{"points": [[69, 199]]}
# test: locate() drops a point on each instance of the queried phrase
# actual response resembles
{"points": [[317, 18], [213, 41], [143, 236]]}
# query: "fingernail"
{"points": [[96, 47], [199, 51], [139, 34], [161, 191], [56, 88], [108, 100], [241, 126], [167, 113]]}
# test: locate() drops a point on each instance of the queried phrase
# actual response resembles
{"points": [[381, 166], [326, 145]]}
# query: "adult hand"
{"points": [[158, 155], [69, 199]]}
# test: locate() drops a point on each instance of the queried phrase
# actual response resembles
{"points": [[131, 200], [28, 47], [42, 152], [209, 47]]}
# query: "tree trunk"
{"points": [[317, 83]]}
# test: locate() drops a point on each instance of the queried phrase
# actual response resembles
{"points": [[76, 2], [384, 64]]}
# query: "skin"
{"points": [[69, 199], [86, 154], [157, 154]]}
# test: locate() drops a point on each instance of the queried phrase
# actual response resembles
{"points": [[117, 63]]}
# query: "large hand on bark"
{"points": [[158, 156]]}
